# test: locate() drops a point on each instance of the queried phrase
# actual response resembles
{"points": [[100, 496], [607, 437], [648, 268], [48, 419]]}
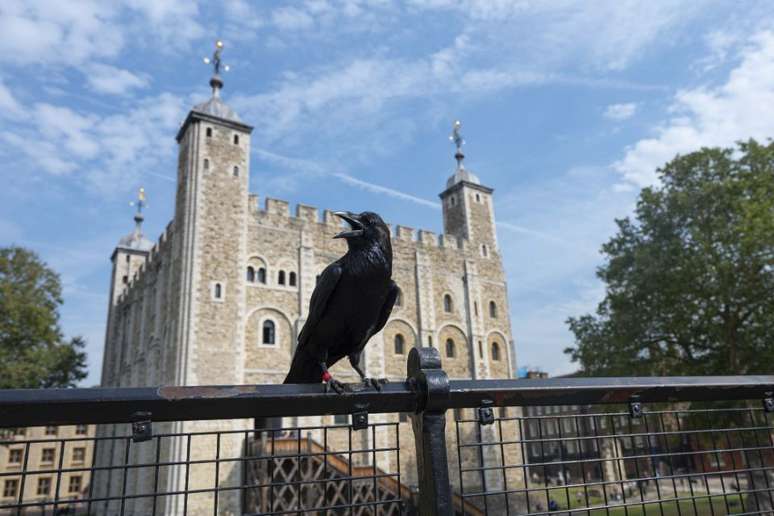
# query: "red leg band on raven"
{"points": [[326, 376]]}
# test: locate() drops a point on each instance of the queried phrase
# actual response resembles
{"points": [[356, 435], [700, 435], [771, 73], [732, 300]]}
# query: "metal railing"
{"points": [[591, 446]]}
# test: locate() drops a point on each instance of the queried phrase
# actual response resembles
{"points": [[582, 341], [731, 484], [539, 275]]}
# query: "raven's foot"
{"points": [[336, 385], [376, 383]]}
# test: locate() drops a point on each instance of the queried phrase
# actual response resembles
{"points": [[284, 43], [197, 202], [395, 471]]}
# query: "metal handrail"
{"points": [[31, 407]]}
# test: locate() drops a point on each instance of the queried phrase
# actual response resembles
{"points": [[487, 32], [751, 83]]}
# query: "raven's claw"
{"points": [[336, 386], [376, 383]]}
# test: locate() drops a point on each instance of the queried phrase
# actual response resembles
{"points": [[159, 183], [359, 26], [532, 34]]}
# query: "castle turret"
{"points": [[127, 258], [467, 204], [210, 231]]}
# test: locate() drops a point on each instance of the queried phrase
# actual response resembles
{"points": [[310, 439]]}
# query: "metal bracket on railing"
{"points": [[485, 413], [429, 424], [142, 427], [360, 420], [635, 407], [768, 403]]}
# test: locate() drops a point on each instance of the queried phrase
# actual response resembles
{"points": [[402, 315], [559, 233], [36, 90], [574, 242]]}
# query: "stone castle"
{"points": [[221, 296]]}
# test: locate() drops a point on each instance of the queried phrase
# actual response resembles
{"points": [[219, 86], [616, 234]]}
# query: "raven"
{"points": [[351, 302]]}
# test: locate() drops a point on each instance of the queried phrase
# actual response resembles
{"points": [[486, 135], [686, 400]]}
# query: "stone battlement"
{"points": [[306, 214]]}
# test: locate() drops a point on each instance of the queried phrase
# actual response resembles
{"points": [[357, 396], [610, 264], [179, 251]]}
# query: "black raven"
{"points": [[351, 302]]}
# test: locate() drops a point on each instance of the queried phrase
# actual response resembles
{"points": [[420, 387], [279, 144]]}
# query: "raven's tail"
{"points": [[304, 369]]}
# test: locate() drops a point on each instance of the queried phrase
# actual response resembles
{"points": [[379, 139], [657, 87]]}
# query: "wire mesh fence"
{"points": [[613, 460], [187, 469]]}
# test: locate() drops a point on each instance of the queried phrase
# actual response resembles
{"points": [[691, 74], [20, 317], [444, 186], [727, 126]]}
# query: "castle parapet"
{"points": [[277, 207], [307, 213], [405, 233], [428, 238], [329, 217]]}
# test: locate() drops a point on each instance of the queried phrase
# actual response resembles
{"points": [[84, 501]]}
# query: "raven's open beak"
{"points": [[356, 228]]}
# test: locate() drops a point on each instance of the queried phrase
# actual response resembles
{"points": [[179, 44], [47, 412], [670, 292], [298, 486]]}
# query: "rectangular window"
{"points": [[340, 419], [75, 484], [20, 431], [51, 430], [81, 429], [79, 454], [10, 487], [47, 455], [15, 456], [44, 486]]}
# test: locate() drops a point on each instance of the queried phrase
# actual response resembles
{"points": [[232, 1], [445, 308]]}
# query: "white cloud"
{"points": [[109, 151], [112, 80], [9, 106], [291, 18], [741, 108], [619, 112]]}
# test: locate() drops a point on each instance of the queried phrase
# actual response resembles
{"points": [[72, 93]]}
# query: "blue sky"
{"points": [[568, 107]]}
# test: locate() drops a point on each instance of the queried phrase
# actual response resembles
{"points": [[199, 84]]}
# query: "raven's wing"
{"points": [[389, 302], [320, 296]]}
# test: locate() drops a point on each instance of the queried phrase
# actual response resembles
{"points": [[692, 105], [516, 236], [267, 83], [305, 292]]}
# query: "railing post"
{"points": [[429, 424]]}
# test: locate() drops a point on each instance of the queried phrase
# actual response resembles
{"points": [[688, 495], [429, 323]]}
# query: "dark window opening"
{"points": [[236, 171], [450, 348], [236, 139], [475, 307], [340, 419], [281, 278], [480, 349], [399, 298], [447, 303], [218, 291], [399, 344], [262, 275], [478, 198], [209, 132], [492, 310], [495, 351], [125, 279], [44, 486], [484, 250], [429, 340], [292, 279], [250, 275], [206, 164], [268, 333]]}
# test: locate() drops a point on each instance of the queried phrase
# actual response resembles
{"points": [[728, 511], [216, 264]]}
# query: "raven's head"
{"points": [[364, 229]]}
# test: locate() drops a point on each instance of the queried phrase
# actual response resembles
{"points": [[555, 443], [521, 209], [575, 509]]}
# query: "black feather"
{"points": [[351, 302]]}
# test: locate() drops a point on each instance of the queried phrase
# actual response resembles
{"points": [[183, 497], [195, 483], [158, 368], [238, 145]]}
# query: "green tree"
{"points": [[690, 281], [33, 352]]}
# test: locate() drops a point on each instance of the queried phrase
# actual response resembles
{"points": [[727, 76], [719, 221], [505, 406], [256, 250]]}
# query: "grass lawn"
{"points": [[701, 507]]}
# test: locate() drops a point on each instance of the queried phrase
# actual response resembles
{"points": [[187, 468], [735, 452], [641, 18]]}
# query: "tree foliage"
{"points": [[33, 352], [690, 281]]}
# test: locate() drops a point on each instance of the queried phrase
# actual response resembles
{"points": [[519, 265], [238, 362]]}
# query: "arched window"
{"points": [[450, 348], [447, 303], [495, 351], [399, 344], [493, 310], [269, 336], [399, 298], [281, 278], [218, 291], [478, 198], [451, 200], [250, 274], [236, 139], [209, 132], [292, 279], [236, 171], [262, 275], [484, 250], [206, 164]]}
